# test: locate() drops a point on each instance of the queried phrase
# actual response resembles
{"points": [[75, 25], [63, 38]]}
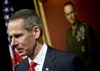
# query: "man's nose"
{"points": [[13, 42]]}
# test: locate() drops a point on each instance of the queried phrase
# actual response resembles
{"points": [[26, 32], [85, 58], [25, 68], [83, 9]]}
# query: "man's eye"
{"points": [[66, 14], [16, 36]]}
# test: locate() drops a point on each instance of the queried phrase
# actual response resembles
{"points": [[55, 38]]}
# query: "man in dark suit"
{"points": [[81, 38], [25, 30]]}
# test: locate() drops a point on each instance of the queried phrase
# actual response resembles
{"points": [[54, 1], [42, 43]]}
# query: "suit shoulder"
{"points": [[64, 53]]}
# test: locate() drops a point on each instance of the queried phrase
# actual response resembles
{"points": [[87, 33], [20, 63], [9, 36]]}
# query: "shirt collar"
{"points": [[39, 59], [74, 26]]}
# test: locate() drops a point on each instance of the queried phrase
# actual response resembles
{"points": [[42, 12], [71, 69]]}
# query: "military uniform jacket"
{"points": [[83, 43]]}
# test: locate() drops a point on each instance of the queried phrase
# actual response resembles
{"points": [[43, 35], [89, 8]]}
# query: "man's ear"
{"points": [[36, 31]]}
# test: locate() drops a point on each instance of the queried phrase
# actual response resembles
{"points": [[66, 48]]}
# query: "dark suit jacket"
{"points": [[85, 46], [56, 61]]}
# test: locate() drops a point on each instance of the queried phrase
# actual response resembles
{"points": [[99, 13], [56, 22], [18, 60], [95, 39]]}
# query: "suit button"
{"points": [[75, 51]]}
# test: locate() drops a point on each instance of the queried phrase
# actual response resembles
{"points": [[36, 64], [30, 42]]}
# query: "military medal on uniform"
{"points": [[80, 33], [82, 48]]}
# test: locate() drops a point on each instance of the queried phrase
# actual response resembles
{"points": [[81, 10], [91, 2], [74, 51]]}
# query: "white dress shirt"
{"points": [[39, 59]]}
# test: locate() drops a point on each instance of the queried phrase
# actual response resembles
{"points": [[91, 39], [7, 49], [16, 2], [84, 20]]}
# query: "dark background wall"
{"points": [[87, 10], [4, 53], [4, 49], [22, 4]]}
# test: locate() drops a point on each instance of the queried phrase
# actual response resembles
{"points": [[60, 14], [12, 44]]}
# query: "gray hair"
{"points": [[30, 18]]}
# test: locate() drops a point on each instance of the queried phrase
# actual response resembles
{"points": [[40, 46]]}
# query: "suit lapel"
{"points": [[25, 64], [48, 64]]}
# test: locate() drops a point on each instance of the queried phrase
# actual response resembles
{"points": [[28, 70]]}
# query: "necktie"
{"points": [[73, 30], [32, 65]]}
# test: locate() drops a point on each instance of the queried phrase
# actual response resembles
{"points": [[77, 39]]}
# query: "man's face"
{"points": [[70, 14], [21, 39]]}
